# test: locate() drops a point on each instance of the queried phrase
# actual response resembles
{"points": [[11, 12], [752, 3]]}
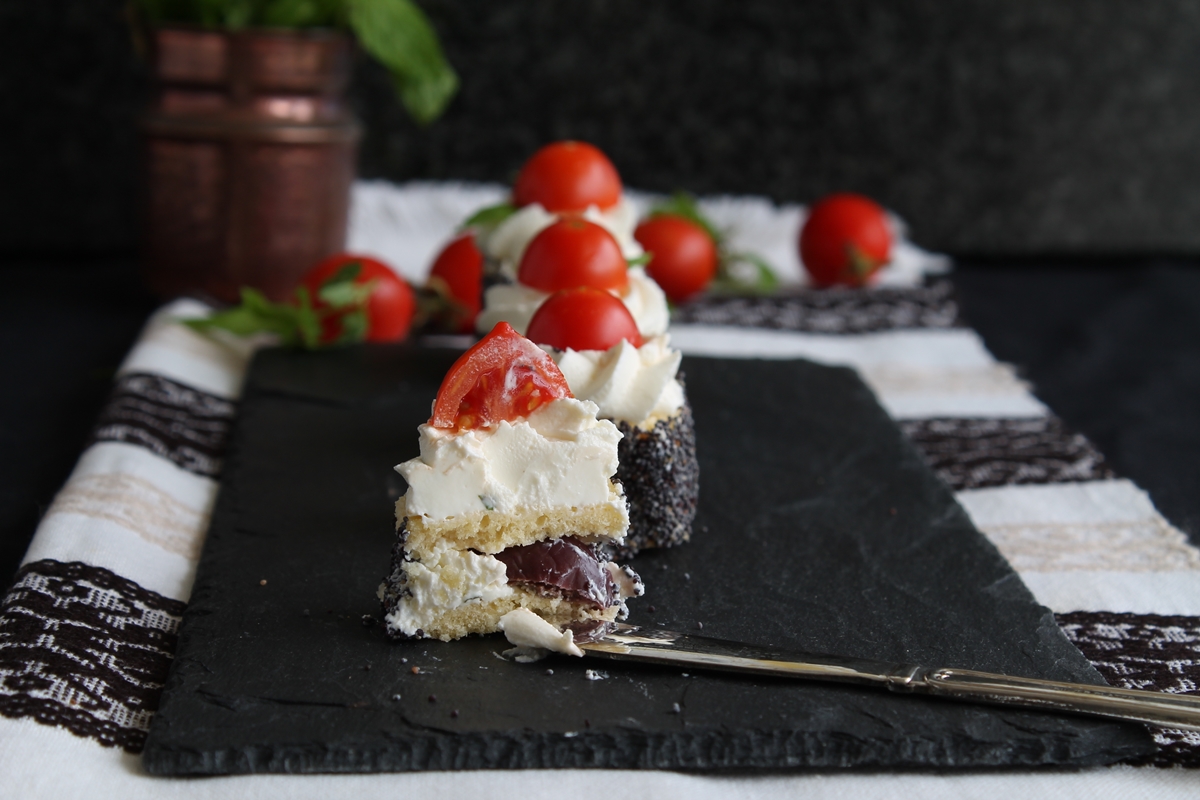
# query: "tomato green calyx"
{"points": [[503, 377], [860, 265]]}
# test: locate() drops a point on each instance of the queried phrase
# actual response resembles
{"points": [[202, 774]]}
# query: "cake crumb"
{"points": [[263, 582], [675, 709], [595, 675], [415, 670]]}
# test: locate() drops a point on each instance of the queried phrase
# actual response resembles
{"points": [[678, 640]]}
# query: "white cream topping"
{"points": [[560, 455], [633, 384], [444, 581], [506, 243], [523, 628], [515, 303]]}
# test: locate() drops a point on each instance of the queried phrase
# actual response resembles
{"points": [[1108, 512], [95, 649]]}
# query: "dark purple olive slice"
{"points": [[563, 567]]}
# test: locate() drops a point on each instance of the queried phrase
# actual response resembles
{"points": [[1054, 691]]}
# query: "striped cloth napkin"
{"points": [[88, 629]]}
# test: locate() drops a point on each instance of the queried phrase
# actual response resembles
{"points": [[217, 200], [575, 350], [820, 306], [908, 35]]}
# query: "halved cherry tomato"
{"points": [[503, 377], [459, 267], [583, 319], [683, 256], [845, 240], [568, 176], [573, 252], [390, 307]]}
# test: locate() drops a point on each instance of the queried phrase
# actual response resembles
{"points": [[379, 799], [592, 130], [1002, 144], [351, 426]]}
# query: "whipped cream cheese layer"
{"points": [[506, 243], [515, 304], [445, 581], [636, 385], [558, 456]]}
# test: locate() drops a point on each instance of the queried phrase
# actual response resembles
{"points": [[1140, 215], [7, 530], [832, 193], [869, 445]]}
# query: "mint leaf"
{"points": [[640, 261], [256, 314], [398, 34], [491, 216], [354, 326], [307, 327], [340, 290], [744, 273]]}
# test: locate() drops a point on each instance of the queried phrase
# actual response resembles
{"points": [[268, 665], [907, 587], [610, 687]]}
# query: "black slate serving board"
{"points": [[819, 528]]}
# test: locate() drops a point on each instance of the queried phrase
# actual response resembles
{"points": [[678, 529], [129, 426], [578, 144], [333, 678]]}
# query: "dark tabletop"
{"points": [[1111, 346]]}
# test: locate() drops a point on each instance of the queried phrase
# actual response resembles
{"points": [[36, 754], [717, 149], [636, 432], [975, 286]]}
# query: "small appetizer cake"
{"points": [[570, 253], [511, 503], [561, 179], [635, 383]]}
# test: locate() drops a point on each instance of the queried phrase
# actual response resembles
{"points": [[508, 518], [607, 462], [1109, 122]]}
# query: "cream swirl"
{"points": [[506, 243], [515, 304], [560, 455], [636, 385]]}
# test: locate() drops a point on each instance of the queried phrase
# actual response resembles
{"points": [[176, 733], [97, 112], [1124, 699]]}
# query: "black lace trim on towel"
{"points": [[1145, 651], [185, 425], [974, 453], [85, 649], [832, 310]]}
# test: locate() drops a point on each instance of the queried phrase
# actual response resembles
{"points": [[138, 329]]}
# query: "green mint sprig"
{"points": [[301, 322]]}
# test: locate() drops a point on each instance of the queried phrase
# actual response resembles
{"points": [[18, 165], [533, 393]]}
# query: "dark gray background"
{"points": [[995, 126]]}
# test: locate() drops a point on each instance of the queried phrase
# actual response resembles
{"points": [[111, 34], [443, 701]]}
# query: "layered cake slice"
{"points": [[635, 383], [510, 504]]}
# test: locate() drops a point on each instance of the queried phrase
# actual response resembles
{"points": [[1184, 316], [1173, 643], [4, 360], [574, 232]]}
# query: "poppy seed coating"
{"points": [[661, 477]]}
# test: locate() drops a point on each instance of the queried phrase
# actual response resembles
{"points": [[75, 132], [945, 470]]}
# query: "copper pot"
{"points": [[249, 157]]}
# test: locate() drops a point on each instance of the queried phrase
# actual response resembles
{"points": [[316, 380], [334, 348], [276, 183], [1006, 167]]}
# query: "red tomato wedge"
{"points": [[573, 252], [568, 176], [503, 377], [583, 319]]}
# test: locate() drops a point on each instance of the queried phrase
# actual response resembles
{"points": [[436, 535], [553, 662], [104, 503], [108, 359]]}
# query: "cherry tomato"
{"points": [[568, 176], [459, 267], [390, 307], [573, 252], [845, 240], [683, 255], [583, 319], [503, 377]]}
